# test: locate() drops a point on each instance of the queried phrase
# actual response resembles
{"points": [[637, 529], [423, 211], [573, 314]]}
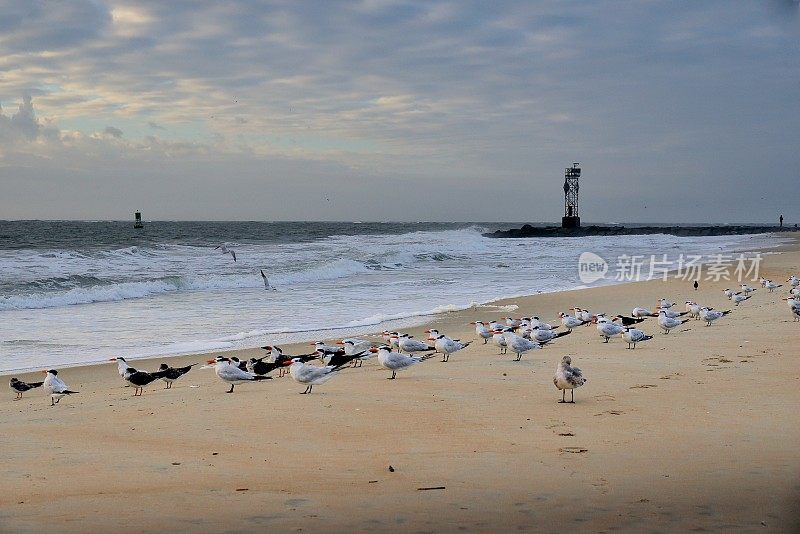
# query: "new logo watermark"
{"points": [[690, 267], [591, 267]]}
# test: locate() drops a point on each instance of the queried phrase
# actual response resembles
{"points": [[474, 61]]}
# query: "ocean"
{"points": [[83, 292]]}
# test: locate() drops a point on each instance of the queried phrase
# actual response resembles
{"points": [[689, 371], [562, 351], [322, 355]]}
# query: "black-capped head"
{"points": [[163, 367], [53, 372], [14, 380]]}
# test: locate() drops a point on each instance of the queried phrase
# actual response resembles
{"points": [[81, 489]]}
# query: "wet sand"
{"points": [[695, 430]]}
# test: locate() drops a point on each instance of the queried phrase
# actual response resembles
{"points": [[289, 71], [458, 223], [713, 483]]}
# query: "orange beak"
{"points": [[373, 349], [340, 342], [211, 362], [45, 372]]}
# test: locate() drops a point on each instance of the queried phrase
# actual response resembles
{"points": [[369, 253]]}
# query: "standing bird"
{"points": [[230, 373], [267, 285], [519, 345], [738, 297], [642, 312], [394, 361], [747, 289], [608, 329], [794, 307], [568, 377], [171, 374], [55, 387], [310, 375], [546, 336], [448, 346], [21, 387], [410, 345], [668, 323], [499, 339], [122, 365], [569, 321], [728, 293], [772, 286], [629, 321], [259, 367], [483, 331], [139, 379], [632, 336], [225, 250], [709, 315]]}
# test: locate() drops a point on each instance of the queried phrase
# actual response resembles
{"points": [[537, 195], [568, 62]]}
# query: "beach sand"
{"points": [[695, 430]]}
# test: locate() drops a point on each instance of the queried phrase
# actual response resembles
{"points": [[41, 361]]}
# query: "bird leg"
{"points": [[394, 373], [563, 393], [52, 402], [230, 390], [572, 392]]}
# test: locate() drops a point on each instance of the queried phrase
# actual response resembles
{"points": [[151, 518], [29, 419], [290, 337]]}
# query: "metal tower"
{"points": [[571, 218]]}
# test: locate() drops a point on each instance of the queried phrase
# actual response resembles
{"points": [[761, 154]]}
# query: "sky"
{"points": [[681, 111]]}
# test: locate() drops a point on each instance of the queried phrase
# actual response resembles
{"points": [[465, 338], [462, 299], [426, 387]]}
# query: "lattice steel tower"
{"points": [[571, 218]]}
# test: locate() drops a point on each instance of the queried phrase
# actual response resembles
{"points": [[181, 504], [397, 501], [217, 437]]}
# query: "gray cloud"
{"points": [[113, 132], [667, 104]]}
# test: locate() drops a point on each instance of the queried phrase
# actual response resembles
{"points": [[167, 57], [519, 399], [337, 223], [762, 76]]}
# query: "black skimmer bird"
{"points": [[139, 379], [55, 387], [171, 374], [568, 378], [21, 387], [629, 321]]}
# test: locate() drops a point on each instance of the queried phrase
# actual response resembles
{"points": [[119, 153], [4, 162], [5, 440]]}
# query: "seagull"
{"points": [[535, 321], [793, 281], [139, 379], [545, 336], [500, 340], [227, 371], [632, 336], [738, 297], [310, 375], [520, 345], [694, 309], [171, 374], [358, 348], [728, 293], [747, 289], [411, 345], [665, 304], [585, 315], [122, 365], [608, 329], [772, 286], [483, 331], [794, 307], [448, 346], [267, 285], [709, 315], [276, 356], [568, 377], [394, 361], [672, 314], [668, 323], [327, 350], [569, 321], [55, 387], [225, 250], [513, 323], [21, 387], [642, 312], [795, 291]]}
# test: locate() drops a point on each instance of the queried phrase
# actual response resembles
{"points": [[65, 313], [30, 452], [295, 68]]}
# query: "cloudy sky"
{"points": [[679, 111]]}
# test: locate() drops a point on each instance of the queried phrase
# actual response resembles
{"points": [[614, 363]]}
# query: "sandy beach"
{"points": [[695, 430]]}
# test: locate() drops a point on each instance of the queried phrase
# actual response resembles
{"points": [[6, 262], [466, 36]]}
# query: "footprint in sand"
{"points": [[573, 450], [605, 397], [610, 412], [643, 386]]}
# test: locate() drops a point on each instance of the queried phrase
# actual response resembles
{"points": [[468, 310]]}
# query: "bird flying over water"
{"points": [[225, 250]]}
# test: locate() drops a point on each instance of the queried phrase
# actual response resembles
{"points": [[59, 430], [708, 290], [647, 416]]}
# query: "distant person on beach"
{"points": [[781, 219], [696, 285]]}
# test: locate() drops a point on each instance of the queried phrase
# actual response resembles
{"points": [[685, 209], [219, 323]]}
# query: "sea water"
{"points": [[82, 292]]}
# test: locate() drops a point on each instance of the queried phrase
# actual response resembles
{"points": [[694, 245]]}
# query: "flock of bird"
{"points": [[400, 351]]}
